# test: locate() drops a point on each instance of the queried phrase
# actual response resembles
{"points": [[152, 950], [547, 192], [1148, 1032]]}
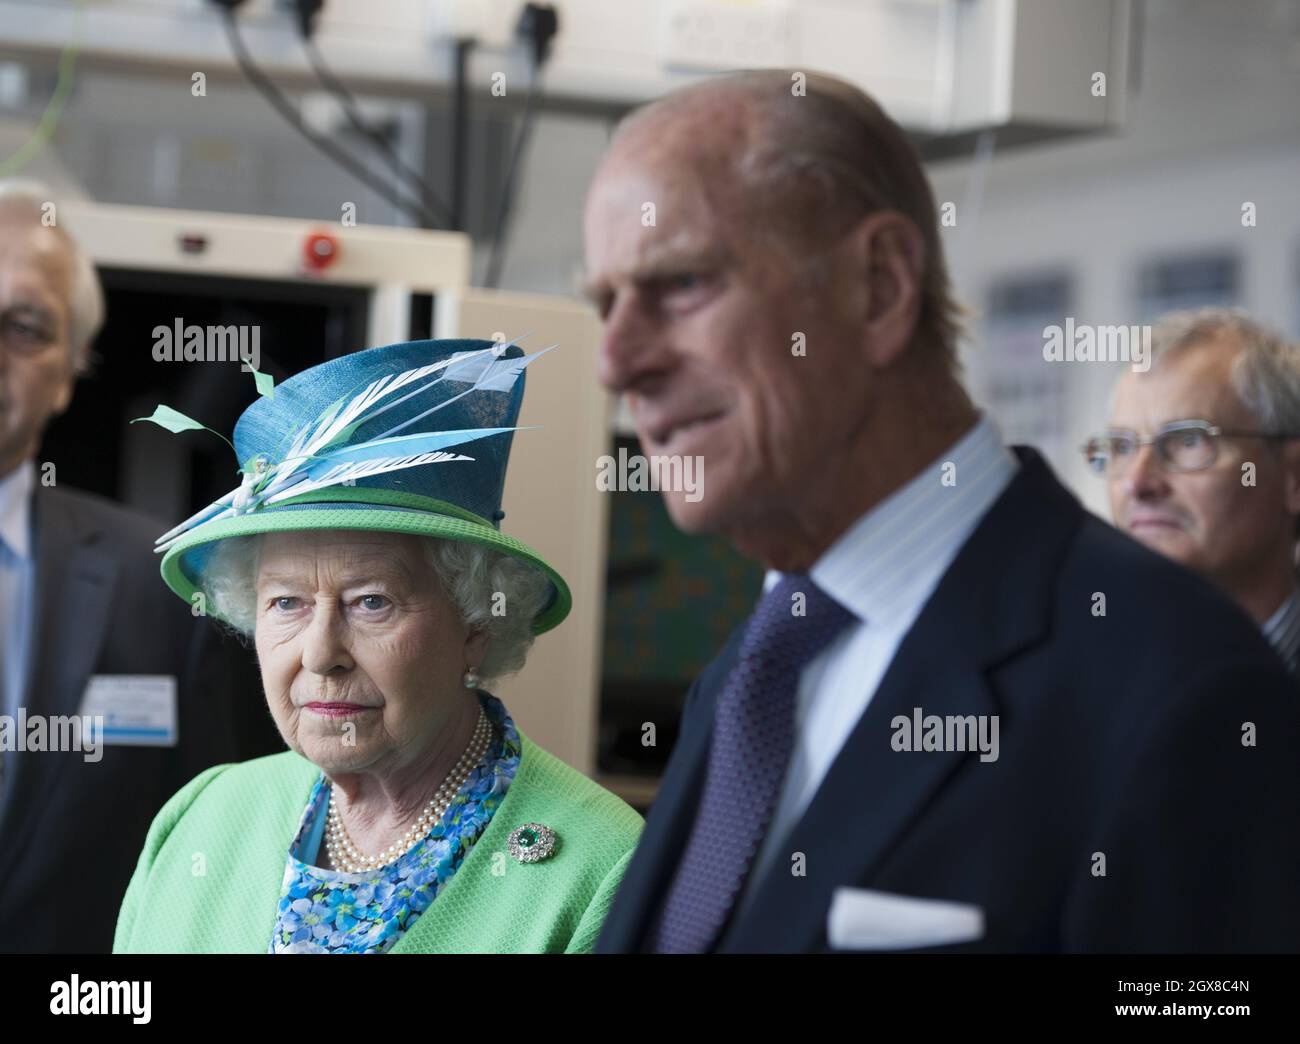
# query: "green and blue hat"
{"points": [[372, 441]]}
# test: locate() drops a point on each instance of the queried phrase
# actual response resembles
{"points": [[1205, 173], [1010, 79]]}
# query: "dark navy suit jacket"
{"points": [[71, 831], [1120, 734]]}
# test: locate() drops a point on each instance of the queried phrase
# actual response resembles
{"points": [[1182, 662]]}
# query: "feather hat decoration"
{"points": [[408, 438]]}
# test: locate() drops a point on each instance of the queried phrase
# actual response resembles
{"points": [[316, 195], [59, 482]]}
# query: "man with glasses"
{"points": [[86, 629], [1202, 461]]}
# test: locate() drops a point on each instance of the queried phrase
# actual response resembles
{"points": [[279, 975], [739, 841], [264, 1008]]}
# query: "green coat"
{"points": [[209, 878]]}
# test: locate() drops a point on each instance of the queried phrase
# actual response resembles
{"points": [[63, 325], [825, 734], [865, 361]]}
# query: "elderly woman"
{"points": [[362, 556]]}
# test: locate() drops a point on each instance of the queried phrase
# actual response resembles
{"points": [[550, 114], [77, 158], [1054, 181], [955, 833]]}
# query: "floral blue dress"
{"points": [[327, 911]]}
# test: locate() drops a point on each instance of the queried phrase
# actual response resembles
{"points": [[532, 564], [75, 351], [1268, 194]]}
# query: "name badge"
{"points": [[139, 710]]}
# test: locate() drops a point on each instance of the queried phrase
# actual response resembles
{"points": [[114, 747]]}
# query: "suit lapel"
{"points": [[993, 602], [672, 814], [869, 796], [74, 606], [73, 594], [256, 879]]}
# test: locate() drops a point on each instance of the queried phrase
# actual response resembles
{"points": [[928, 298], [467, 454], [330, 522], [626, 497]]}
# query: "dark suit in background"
{"points": [[1119, 734], [71, 830]]}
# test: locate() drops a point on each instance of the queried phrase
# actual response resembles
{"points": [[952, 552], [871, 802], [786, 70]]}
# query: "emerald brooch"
{"points": [[531, 842]]}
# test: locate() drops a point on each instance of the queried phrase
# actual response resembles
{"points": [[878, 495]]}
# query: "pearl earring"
{"points": [[470, 681]]}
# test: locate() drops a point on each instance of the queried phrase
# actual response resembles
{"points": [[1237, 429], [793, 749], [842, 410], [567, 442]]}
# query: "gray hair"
{"points": [[470, 575], [1265, 376], [833, 154], [86, 309]]}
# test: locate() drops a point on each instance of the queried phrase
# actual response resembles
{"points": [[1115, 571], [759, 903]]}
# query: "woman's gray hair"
{"points": [[86, 308], [1265, 376], [477, 580]]}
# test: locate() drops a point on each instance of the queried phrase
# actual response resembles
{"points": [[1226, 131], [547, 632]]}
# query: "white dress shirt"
{"points": [[884, 569]]}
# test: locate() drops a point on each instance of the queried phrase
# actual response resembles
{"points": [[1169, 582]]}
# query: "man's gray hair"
{"points": [[821, 160], [86, 309], [471, 576], [1265, 376]]}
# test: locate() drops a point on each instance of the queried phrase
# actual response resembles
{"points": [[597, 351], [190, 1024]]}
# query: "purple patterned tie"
{"points": [[753, 736]]}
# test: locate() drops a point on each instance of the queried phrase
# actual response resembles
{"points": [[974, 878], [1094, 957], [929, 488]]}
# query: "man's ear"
{"points": [[891, 252]]}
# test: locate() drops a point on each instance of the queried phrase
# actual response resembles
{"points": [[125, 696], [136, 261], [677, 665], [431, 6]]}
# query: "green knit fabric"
{"points": [[209, 877]]}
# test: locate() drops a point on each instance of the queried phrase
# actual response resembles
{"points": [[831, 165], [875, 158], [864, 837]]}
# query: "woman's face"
{"points": [[362, 654]]}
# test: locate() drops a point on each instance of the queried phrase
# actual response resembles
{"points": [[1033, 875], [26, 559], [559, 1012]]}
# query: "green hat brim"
{"points": [[362, 509]]}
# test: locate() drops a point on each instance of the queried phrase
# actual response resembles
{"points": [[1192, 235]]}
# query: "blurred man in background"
{"points": [[785, 318], [87, 627], [1202, 461]]}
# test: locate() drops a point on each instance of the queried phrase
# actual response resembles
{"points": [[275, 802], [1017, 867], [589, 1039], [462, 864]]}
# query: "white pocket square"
{"points": [[863, 919]]}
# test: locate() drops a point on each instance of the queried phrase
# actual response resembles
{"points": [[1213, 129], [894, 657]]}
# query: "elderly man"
{"points": [[85, 629], [1202, 461], [965, 713]]}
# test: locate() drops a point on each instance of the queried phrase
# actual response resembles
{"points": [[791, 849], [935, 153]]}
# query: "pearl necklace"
{"points": [[344, 856]]}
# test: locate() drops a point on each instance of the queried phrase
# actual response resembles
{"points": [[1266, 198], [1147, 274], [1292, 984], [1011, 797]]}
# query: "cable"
{"points": [[538, 24], [277, 100], [460, 131], [496, 258], [352, 111], [964, 246], [54, 108]]}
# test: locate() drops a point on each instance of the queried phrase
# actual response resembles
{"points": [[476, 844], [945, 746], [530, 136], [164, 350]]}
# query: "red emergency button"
{"points": [[320, 250]]}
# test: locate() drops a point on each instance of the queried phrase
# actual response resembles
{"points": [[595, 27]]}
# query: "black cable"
{"points": [[496, 259], [277, 100], [352, 111], [538, 26], [460, 132]]}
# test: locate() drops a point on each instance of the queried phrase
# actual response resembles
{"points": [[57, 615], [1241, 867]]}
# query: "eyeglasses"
{"points": [[1191, 445]]}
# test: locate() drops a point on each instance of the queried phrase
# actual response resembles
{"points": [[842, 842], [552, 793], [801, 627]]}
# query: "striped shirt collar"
{"points": [[887, 564], [1282, 630], [16, 509]]}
